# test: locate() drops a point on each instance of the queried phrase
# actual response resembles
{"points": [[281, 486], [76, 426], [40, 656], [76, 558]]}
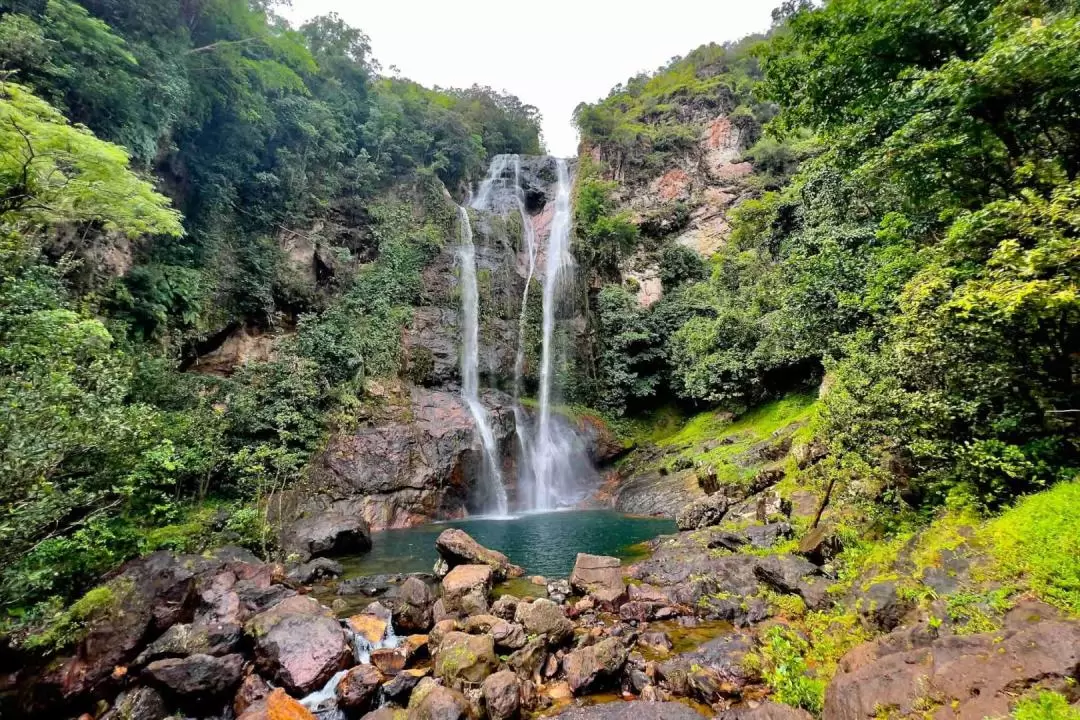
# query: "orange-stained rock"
{"points": [[277, 706], [373, 629]]}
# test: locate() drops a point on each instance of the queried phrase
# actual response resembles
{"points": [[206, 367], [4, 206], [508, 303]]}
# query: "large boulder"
{"points": [[139, 703], [201, 678], [330, 533], [410, 604], [463, 658], [703, 512], [713, 672], [457, 547], [299, 644], [466, 588], [431, 701], [597, 572], [502, 695], [543, 617], [185, 639], [636, 710], [358, 690], [765, 711], [593, 667], [974, 676]]}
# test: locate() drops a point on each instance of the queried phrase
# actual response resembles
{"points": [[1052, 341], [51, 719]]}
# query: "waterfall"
{"points": [[551, 457], [528, 233], [494, 494]]}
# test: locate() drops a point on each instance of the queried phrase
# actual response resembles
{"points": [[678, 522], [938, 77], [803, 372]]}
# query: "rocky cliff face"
{"points": [[688, 200]]}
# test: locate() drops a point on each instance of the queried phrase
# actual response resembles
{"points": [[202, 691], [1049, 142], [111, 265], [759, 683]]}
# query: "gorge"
{"points": [[325, 394]]}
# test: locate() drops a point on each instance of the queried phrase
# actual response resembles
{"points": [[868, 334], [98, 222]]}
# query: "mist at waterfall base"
{"points": [[553, 469]]}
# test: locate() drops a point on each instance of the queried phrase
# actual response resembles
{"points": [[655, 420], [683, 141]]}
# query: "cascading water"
{"points": [[494, 493], [556, 451]]}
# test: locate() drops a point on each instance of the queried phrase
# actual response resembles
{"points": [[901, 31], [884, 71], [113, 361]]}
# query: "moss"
{"points": [[69, 626], [1045, 706]]}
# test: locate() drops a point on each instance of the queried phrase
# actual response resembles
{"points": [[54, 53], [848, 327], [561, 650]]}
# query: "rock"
{"points": [[635, 710], [318, 569], [439, 703], [440, 630], [390, 661], [544, 617], [327, 533], [597, 572], [505, 607], [463, 658], [765, 711], [703, 512], [558, 590], [973, 676], [359, 689], [502, 695], [475, 624], [529, 660], [596, 666], [508, 636], [415, 647], [457, 547], [386, 712], [139, 703], [811, 453], [411, 604], [277, 706], [804, 504], [370, 627], [882, 607], [765, 536], [713, 672], [400, 688], [252, 689], [197, 677], [821, 545], [656, 640], [410, 468], [466, 588], [185, 639], [783, 572], [297, 648], [610, 599]]}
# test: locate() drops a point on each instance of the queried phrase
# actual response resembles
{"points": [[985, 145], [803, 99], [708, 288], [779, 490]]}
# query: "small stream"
{"points": [[543, 543]]}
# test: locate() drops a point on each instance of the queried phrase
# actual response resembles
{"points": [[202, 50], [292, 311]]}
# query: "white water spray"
{"points": [[494, 494], [551, 457]]}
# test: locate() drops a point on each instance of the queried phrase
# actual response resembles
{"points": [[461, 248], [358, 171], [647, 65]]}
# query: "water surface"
{"points": [[543, 543]]}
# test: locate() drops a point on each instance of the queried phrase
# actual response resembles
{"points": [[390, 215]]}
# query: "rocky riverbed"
{"points": [[676, 635]]}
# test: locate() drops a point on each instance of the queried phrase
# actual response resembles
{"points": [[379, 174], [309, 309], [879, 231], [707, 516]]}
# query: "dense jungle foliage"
{"points": [[155, 158], [910, 232]]}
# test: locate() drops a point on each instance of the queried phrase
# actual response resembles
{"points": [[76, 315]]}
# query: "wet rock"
{"points": [[277, 706], [544, 617], [558, 590], [371, 627], [298, 645], [140, 703], [439, 703], [466, 588], [390, 661], [463, 658], [411, 604], [703, 512], [400, 688], [596, 666], [457, 547], [318, 569], [505, 607], [185, 639], [502, 695], [974, 676], [327, 533], [635, 710], [197, 677], [656, 640], [716, 670], [370, 585], [252, 689], [765, 711], [882, 607], [358, 691]]}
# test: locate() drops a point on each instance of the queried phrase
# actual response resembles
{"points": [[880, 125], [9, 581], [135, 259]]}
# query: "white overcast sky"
{"points": [[552, 54]]}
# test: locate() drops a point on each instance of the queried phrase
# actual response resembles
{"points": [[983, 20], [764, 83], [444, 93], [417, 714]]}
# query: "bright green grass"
{"points": [[1037, 545]]}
